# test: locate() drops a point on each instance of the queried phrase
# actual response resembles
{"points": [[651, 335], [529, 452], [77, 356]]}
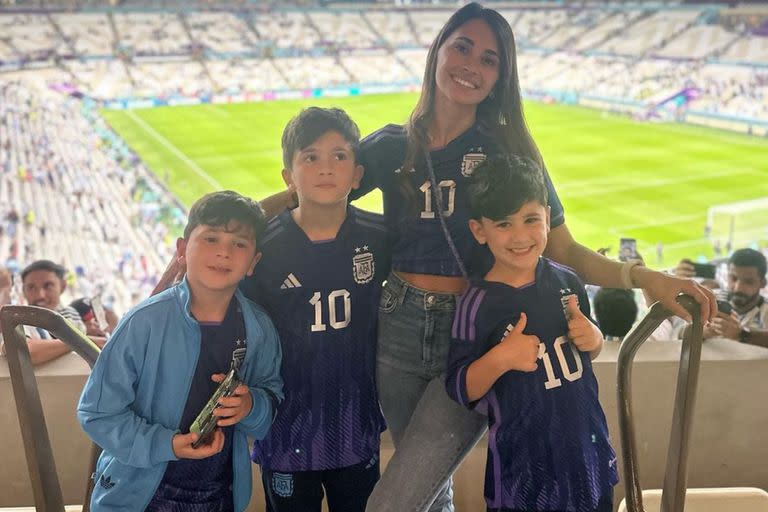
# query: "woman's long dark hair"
{"points": [[501, 112]]}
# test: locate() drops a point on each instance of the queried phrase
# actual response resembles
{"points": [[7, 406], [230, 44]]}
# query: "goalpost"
{"points": [[739, 224]]}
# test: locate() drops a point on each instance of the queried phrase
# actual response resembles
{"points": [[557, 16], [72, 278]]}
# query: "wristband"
{"points": [[626, 273], [744, 335]]}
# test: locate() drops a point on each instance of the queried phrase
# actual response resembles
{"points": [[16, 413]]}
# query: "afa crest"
{"points": [[363, 267], [470, 163], [282, 484]]}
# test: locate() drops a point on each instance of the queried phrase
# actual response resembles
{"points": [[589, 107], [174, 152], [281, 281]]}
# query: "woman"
{"points": [[469, 107]]}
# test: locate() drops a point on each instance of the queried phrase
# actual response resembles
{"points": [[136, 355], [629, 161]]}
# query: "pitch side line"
{"points": [[176, 151]]}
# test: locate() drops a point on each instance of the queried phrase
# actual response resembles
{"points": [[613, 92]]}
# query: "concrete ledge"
{"points": [[729, 442]]}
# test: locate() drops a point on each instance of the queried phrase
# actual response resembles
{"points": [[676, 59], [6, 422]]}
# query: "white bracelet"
{"points": [[626, 273]]}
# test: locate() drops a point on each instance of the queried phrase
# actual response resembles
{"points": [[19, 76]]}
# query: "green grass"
{"points": [[616, 177]]}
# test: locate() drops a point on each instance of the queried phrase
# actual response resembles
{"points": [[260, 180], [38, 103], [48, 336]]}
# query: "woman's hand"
{"points": [[665, 288]]}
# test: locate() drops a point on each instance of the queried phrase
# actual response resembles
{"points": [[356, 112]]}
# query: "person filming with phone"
{"points": [[744, 315], [747, 321]]}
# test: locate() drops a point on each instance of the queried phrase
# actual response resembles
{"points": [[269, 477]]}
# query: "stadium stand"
{"points": [[151, 34], [221, 33], [394, 28], [637, 55], [649, 32], [88, 34], [286, 30], [344, 30], [239, 76], [65, 177]]}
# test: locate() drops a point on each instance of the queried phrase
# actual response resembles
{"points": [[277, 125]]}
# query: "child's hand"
{"points": [[182, 445], [518, 351], [234, 408], [583, 333]]}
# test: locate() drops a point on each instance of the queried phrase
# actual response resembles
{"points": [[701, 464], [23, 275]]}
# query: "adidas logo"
{"points": [[106, 482], [290, 282]]}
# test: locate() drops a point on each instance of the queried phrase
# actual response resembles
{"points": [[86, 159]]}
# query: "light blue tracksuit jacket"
{"points": [[133, 401]]}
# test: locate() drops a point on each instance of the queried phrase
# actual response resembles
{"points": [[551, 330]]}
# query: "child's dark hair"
{"points": [[312, 123], [615, 311], [222, 207], [501, 185]]}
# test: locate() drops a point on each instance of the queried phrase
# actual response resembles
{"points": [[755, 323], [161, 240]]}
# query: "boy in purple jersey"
{"points": [[521, 351], [320, 280], [165, 360]]}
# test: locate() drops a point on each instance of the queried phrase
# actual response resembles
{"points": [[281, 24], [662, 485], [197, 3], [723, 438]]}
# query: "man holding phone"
{"points": [[744, 315], [748, 320]]}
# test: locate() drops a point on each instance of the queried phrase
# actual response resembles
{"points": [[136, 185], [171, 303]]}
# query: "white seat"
{"points": [[725, 499]]}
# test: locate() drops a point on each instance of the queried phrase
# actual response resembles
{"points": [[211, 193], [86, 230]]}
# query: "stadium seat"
{"points": [[726, 499]]}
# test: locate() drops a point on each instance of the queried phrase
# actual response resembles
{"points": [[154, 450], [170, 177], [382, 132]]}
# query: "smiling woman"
{"points": [[469, 109]]}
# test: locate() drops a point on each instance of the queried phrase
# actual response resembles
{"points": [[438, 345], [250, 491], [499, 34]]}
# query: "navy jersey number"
{"points": [[333, 311], [570, 375], [444, 185]]}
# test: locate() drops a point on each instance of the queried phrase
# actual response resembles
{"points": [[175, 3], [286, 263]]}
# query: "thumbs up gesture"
{"points": [[582, 332], [518, 351]]}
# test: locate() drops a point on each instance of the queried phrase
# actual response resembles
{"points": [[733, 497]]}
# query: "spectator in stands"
{"points": [[42, 285], [615, 312], [748, 321], [86, 309]]}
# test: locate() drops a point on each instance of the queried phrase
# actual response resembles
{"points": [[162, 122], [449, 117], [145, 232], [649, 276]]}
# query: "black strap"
{"points": [[436, 193]]}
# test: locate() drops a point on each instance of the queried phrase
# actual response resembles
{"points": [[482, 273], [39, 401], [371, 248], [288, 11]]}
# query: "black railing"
{"points": [[46, 488], [675, 479]]}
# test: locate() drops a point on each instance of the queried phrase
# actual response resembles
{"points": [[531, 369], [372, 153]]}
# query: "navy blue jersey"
{"points": [[548, 445], [205, 482], [420, 244], [323, 298]]}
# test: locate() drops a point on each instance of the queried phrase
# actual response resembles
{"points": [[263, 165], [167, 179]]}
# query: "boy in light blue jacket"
{"points": [[164, 361]]}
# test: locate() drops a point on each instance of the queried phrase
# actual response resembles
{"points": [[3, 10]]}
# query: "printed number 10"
{"points": [[427, 189], [317, 302], [570, 376]]}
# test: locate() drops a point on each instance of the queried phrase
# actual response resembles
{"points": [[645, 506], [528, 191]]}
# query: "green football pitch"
{"points": [[616, 177]]}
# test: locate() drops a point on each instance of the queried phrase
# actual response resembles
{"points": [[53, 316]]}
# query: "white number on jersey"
{"points": [[427, 189], [552, 381], [317, 302]]}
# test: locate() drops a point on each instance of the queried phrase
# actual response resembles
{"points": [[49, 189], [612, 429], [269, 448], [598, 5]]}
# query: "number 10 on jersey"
{"points": [[333, 310]]}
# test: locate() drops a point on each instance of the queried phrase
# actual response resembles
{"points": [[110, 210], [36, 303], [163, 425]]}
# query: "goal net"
{"points": [[743, 224]]}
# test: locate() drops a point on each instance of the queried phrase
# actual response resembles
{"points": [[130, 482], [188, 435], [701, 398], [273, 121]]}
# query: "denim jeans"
{"points": [[431, 432]]}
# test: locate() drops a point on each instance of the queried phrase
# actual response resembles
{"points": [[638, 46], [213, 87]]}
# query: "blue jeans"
{"points": [[431, 432]]}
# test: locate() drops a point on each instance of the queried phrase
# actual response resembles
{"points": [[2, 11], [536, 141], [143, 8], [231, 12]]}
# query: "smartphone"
{"points": [[724, 307], [627, 249], [704, 270]]}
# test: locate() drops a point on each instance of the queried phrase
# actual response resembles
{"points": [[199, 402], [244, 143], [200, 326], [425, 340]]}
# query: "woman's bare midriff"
{"points": [[431, 283]]}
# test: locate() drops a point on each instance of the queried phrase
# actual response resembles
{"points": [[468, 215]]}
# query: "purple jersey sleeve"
{"points": [[467, 346]]}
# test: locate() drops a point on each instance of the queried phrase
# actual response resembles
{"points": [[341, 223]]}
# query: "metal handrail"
{"points": [[34, 432], [675, 479]]}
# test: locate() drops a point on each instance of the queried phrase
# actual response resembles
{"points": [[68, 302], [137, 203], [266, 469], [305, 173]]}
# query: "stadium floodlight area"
{"points": [[739, 224]]}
